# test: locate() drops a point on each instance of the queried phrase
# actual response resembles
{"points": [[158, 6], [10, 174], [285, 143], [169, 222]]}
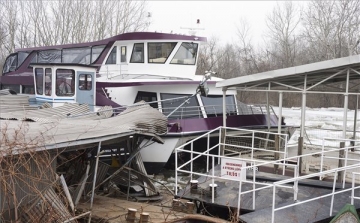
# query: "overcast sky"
{"points": [[217, 18]]}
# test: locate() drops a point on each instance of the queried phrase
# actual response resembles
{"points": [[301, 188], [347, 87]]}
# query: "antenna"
{"points": [[192, 30]]}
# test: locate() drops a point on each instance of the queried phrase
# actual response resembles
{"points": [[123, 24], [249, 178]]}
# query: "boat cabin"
{"points": [[126, 56], [60, 83]]}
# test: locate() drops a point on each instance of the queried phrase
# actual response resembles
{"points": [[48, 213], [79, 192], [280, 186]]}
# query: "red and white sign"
{"points": [[233, 169]]}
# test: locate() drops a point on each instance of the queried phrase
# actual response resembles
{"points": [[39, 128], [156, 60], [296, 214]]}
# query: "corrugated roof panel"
{"points": [[52, 131], [11, 103]]}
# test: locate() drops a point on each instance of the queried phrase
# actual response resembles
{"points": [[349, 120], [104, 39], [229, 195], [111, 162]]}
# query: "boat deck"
{"points": [[226, 198]]}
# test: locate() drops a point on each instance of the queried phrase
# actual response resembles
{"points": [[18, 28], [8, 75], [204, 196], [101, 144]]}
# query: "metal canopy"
{"points": [[294, 79], [310, 78]]}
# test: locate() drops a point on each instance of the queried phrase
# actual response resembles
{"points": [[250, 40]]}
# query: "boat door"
{"points": [[85, 86], [123, 60]]}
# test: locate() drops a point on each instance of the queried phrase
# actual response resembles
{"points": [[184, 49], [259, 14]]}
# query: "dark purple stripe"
{"points": [[127, 84], [16, 80]]}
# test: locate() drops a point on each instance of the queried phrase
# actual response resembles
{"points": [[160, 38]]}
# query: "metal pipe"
{"points": [[346, 101], [224, 106], [176, 170], [332, 195], [303, 107], [213, 182], [191, 158], [273, 205], [355, 122], [280, 111], [94, 181], [239, 201]]}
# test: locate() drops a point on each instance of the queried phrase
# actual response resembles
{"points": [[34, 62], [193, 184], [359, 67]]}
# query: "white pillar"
{"points": [[224, 106], [280, 111]]}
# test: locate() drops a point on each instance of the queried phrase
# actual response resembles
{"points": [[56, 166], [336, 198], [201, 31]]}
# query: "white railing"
{"points": [[216, 110], [255, 164]]}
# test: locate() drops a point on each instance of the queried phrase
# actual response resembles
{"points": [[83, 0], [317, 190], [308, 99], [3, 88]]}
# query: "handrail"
{"points": [[282, 161]]}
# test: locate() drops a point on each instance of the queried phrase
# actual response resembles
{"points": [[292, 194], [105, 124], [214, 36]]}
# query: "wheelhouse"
{"points": [[58, 83]]}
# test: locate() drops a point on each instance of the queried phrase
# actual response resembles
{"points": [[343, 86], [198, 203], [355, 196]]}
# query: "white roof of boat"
{"points": [[328, 71]]}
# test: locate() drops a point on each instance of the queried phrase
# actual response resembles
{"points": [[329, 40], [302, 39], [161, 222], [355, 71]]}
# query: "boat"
{"points": [[158, 68]]}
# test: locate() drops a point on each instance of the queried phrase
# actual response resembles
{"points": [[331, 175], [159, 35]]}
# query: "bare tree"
{"points": [[53, 22], [207, 60], [282, 24], [332, 28], [247, 55]]}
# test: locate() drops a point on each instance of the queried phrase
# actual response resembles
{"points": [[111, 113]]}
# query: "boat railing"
{"points": [[217, 110], [209, 110], [254, 165]]}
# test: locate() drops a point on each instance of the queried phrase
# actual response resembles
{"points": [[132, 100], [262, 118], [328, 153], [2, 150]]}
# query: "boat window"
{"points": [[123, 54], [48, 81], [76, 55], [190, 109], [85, 81], [159, 52], [213, 105], [10, 64], [112, 57], [39, 80], [49, 56], [186, 54], [14, 87], [34, 59], [95, 52], [28, 89], [65, 82], [21, 57], [147, 97], [137, 55]]}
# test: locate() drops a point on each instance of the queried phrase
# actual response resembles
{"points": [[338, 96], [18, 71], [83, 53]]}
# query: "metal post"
{"points": [[252, 145], [296, 184], [213, 182], [342, 144], [176, 169], [267, 120], [346, 100], [332, 195], [273, 205], [223, 130], [322, 158], [302, 126], [355, 122], [352, 188], [191, 158], [94, 181], [280, 111], [207, 153], [224, 106], [254, 184], [239, 200]]}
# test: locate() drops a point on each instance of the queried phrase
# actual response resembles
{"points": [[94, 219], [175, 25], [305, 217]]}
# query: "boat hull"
{"points": [[156, 156]]}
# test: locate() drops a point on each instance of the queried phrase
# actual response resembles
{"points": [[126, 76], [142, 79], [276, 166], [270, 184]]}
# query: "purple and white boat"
{"points": [[127, 68]]}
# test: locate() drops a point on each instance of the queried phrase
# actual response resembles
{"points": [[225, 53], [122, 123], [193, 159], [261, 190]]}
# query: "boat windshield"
{"points": [[186, 54], [76, 55], [159, 52], [14, 61]]}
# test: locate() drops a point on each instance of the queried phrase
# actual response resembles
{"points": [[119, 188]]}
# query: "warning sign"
{"points": [[233, 169]]}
